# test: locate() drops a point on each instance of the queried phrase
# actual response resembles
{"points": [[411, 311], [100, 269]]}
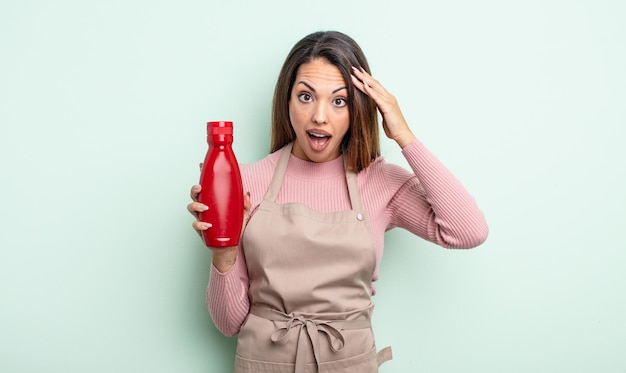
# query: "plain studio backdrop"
{"points": [[103, 108]]}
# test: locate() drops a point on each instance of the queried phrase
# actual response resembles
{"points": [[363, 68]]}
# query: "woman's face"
{"points": [[318, 110]]}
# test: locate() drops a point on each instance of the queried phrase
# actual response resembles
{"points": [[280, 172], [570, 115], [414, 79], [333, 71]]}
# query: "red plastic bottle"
{"points": [[222, 189]]}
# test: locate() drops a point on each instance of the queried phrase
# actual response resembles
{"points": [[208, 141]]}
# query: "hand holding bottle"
{"points": [[195, 208], [223, 257]]}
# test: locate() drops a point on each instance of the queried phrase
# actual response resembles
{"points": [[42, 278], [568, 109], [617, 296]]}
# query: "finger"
{"points": [[195, 192], [195, 208], [363, 76], [357, 78], [364, 87], [200, 226], [359, 72], [369, 82], [246, 208], [365, 83], [246, 201], [358, 83]]}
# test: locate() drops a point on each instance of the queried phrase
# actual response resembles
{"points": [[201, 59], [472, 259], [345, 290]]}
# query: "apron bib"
{"points": [[310, 287]]}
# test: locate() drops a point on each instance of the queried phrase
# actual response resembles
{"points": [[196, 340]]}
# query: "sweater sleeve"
{"points": [[434, 205], [227, 296]]}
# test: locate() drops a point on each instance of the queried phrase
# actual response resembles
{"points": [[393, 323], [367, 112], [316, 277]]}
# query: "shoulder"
{"points": [[257, 176], [380, 184], [264, 165], [386, 174]]}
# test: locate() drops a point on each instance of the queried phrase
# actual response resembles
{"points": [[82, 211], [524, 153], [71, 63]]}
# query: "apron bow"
{"points": [[334, 336], [330, 328]]}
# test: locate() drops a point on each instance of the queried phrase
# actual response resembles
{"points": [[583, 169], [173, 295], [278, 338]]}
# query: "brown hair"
{"points": [[360, 145]]}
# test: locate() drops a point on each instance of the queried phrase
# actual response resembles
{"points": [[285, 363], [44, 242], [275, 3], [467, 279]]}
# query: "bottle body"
{"points": [[222, 188]]}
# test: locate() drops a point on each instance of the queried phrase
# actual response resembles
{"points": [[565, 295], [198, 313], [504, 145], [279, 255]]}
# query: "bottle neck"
{"points": [[220, 139]]}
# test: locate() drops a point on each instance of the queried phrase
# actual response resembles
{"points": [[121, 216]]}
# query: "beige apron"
{"points": [[310, 287]]}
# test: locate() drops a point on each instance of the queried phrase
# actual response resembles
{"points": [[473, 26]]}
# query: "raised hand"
{"points": [[394, 124]]}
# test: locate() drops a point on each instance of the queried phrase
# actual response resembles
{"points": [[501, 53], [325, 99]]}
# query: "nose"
{"points": [[320, 115]]}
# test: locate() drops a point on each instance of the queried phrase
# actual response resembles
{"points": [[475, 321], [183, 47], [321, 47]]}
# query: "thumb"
{"points": [[246, 202]]}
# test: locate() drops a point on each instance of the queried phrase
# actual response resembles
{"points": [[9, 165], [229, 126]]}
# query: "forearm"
{"points": [[454, 219], [227, 298]]}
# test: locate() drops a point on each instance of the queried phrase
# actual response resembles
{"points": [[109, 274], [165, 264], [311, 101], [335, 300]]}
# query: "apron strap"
{"points": [[384, 355], [279, 174], [353, 190]]}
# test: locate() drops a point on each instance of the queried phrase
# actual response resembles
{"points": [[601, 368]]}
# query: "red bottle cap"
{"points": [[219, 128]]}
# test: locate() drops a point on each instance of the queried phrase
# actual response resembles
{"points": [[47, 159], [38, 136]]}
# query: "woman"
{"points": [[298, 288]]}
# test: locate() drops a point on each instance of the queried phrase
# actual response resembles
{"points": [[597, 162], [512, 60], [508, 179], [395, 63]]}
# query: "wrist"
{"points": [[405, 139], [224, 258]]}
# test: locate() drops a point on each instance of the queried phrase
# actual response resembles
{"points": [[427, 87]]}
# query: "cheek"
{"points": [[293, 120], [345, 122], [295, 115], [345, 130]]}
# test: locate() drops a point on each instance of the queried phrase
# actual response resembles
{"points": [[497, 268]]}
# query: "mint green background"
{"points": [[102, 114]]}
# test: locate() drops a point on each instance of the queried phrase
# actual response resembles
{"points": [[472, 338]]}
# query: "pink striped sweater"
{"points": [[429, 202]]}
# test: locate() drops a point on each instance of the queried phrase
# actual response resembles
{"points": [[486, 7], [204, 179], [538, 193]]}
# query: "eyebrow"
{"points": [[313, 89]]}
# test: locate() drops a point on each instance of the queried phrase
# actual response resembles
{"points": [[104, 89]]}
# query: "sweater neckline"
{"points": [[303, 169]]}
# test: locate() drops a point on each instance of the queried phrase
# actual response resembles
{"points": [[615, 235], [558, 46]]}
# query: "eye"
{"points": [[340, 102], [305, 97]]}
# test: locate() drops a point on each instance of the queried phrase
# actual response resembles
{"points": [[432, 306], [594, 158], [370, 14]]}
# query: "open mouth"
{"points": [[318, 140]]}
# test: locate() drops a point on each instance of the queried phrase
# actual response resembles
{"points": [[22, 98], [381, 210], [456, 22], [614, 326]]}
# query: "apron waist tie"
{"points": [[331, 329]]}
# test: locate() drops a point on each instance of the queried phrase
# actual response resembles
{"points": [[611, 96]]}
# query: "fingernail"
{"points": [[204, 207], [206, 225]]}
